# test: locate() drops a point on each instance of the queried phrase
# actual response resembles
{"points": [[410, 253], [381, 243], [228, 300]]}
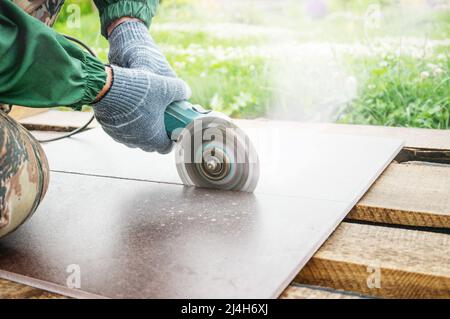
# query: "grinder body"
{"points": [[179, 115]]}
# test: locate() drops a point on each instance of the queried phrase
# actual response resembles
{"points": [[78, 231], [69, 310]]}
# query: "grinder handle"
{"points": [[179, 114]]}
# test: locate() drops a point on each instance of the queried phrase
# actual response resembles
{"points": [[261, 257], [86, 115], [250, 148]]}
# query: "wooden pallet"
{"points": [[395, 243]]}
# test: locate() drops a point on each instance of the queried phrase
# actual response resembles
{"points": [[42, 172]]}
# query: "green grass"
{"points": [[402, 91], [232, 73], [236, 87]]}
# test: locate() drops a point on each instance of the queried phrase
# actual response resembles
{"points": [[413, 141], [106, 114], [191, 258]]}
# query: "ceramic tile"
{"points": [[139, 239]]}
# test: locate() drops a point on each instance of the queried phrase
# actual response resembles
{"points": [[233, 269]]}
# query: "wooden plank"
{"points": [[54, 120], [382, 261], [295, 291], [414, 195], [21, 112], [13, 290]]}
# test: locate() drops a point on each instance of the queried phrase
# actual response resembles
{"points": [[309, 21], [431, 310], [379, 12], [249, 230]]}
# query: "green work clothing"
{"points": [[40, 68]]}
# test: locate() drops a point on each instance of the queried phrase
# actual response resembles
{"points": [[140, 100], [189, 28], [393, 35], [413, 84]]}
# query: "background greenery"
{"points": [[395, 54]]}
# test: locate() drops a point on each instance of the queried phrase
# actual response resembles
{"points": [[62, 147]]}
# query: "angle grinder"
{"points": [[210, 150]]}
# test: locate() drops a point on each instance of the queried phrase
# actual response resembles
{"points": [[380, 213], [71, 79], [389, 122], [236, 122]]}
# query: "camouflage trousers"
{"points": [[44, 10], [24, 172]]}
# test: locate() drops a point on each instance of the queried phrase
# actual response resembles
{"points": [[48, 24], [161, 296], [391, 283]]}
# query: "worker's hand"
{"points": [[131, 46], [132, 111]]}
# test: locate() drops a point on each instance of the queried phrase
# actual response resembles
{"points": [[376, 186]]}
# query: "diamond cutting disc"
{"points": [[212, 152]]}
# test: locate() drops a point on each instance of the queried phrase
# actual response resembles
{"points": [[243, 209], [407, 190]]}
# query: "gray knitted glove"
{"points": [[131, 46], [132, 111]]}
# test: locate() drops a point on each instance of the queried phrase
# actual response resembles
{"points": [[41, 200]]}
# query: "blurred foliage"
{"points": [[225, 74], [402, 91]]}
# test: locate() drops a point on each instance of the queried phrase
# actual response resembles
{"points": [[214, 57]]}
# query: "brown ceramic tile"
{"points": [[150, 240]]}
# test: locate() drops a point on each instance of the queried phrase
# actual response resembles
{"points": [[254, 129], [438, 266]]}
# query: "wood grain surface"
{"points": [[295, 291], [13, 290], [413, 195], [382, 261]]}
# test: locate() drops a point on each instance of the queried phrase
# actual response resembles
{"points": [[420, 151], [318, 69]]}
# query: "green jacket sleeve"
{"points": [[111, 10], [40, 68]]}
